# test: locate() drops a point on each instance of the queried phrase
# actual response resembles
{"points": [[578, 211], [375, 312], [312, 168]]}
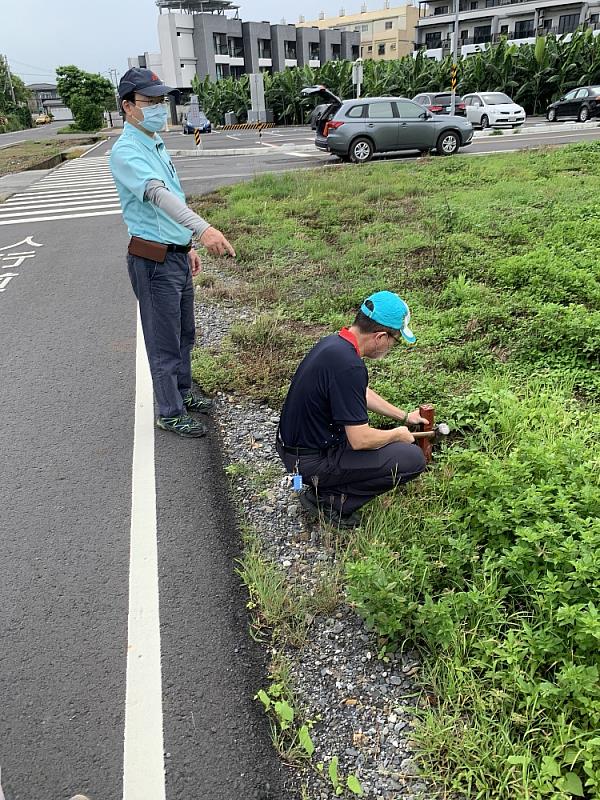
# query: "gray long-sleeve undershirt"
{"points": [[158, 194]]}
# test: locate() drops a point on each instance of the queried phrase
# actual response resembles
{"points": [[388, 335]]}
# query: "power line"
{"points": [[33, 66]]}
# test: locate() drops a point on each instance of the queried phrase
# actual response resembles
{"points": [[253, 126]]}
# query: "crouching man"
{"points": [[324, 433]]}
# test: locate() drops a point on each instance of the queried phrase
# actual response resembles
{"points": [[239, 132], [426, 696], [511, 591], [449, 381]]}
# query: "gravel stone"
{"points": [[361, 705]]}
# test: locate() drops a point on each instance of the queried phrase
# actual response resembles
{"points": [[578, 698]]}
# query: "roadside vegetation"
{"points": [[14, 112], [533, 75], [28, 155], [489, 565]]}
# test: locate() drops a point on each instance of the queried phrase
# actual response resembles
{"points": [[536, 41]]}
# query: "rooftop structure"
{"points": [[196, 6]]}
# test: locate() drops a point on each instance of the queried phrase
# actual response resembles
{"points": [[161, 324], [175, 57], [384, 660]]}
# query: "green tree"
{"points": [[74, 82]]}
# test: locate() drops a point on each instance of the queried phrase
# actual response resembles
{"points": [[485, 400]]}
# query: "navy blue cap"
{"points": [[143, 81]]}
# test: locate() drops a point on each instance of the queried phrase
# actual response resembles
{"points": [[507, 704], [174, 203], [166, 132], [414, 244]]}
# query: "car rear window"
{"points": [[445, 99], [595, 89], [356, 111]]}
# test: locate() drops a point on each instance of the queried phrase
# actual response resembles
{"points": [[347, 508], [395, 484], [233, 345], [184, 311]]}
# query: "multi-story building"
{"points": [[197, 38], [482, 22], [384, 35]]}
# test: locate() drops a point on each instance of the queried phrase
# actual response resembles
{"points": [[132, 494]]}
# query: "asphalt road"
{"points": [[80, 709]]}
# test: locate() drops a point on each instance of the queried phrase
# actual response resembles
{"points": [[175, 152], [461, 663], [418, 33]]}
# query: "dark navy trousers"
{"points": [[346, 479], [166, 297]]}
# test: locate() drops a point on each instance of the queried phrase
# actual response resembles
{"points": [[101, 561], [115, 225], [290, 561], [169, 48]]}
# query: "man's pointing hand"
{"points": [[216, 243]]}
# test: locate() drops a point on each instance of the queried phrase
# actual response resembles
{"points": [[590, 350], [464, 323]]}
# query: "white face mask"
{"points": [[155, 117]]}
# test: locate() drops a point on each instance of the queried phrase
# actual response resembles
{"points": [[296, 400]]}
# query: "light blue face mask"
{"points": [[155, 117]]}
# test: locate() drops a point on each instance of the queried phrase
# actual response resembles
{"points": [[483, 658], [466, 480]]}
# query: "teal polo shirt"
{"points": [[137, 158]]}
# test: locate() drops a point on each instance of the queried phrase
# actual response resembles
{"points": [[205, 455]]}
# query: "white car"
{"points": [[489, 109]]}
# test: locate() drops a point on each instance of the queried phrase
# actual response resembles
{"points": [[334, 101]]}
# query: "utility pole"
{"points": [[454, 57], [8, 79]]}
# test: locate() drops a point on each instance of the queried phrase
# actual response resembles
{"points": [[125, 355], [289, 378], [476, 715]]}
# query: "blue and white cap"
{"points": [[388, 309]]}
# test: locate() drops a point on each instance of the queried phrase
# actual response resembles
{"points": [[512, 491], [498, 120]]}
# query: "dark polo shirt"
{"points": [[328, 391]]}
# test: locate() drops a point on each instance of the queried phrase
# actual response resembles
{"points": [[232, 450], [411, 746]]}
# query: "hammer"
{"points": [[429, 430]]}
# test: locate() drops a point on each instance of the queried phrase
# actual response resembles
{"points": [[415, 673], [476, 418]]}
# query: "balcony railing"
{"points": [[528, 33]]}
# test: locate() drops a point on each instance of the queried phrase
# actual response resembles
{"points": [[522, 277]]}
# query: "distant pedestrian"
{"points": [[324, 436], [161, 255]]}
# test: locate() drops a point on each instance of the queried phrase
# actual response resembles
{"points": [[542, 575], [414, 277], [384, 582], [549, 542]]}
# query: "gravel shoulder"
{"points": [[363, 707]]}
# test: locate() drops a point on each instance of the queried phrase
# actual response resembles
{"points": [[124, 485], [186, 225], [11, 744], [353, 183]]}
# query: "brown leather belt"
{"points": [[154, 251]]}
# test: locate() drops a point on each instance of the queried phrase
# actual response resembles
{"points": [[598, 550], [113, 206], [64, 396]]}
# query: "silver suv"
{"points": [[356, 129]]}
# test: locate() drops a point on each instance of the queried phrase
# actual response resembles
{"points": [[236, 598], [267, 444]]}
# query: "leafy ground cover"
{"points": [[26, 155], [491, 563]]}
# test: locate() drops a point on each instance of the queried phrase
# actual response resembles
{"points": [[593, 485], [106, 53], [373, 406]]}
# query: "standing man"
{"points": [[324, 433], [161, 257]]}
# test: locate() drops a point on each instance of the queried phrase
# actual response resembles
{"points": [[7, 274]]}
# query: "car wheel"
{"points": [[485, 122], [361, 151], [447, 144], [551, 115], [584, 114]]}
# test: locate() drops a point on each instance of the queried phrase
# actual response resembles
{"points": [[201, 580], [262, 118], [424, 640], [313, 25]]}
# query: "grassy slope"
{"points": [[490, 562]]}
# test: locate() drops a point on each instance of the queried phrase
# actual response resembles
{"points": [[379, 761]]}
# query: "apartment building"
{"points": [[196, 37], [384, 35], [482, 22]]}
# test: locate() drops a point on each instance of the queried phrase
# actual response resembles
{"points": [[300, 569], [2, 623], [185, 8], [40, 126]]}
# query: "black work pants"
{"points": [[346, 479]]}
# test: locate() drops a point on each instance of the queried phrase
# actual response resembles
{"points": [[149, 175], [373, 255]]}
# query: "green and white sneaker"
{"points": [[197, 403], [183, 426]]}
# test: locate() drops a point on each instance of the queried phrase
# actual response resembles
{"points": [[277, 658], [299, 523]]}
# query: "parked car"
{"points": [[42, 119], [196, 119], [581, 103], [490, 109], [356, 129], [441, 103]]}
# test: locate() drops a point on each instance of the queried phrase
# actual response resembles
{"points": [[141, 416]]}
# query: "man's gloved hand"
{"points": [[216, 243]]}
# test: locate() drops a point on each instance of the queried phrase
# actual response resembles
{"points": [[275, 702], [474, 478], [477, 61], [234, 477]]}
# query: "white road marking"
{"points": [[32, 197], [299, 155], [70, 207], [143, 764], [56, 204], [239, 138], [59, 216]]}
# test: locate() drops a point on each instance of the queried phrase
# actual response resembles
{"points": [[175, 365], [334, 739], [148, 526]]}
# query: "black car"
{"points": [[581, 103], [441, 103]]}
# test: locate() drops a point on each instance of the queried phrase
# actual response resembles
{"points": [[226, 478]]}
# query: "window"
{"points": [[503, 30], [364, 27], [370, 48], [547, 24], [264, 48], [336, 53], [408, 110], [571, 95], [354, 52], [178, 33], [392, 47], [482, 33], [182, 66], [381, 111], [464, 34], [220, 68], [594, 19], [314, 52], [388, 26], [289, 50], [568, 23], [220, 44], [474, 5], [356, 112], [524, 28], [581, 94], [380, 49], [433, 39], [422, 99], [440, 10], [236, 47]]}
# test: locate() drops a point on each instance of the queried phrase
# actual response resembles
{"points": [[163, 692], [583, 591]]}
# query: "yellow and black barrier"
{"points": [[247, 126], [453, 81], [197, 136]]}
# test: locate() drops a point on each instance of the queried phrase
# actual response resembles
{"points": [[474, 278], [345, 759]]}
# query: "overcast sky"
{"points": [[39, 35]]}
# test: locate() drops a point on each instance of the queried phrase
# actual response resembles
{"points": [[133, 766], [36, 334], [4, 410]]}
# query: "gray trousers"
{"points": [[166, 297], [346, 479]]}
